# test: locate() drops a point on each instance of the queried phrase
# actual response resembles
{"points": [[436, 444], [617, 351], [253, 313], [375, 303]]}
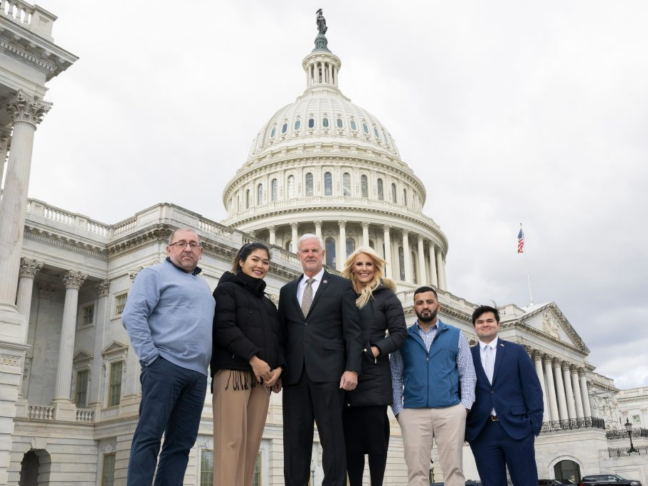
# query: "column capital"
{"points": [[581, 372], [73, 279], [386, 227], [365, 224], [272, 227], [565, 366], [28, 109], [103, 288], [537, 356], [294, 225], [342, 224], [547, 360], [557, 363], [5, 134], [29, 268], [528, 349], [318, 223]]}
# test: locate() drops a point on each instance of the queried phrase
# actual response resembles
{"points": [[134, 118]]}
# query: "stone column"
{"points": [[388, 267], [585, 393], [407, 257], [560, 388], [5, 136], [365, 233], [73, 282], [341, 257], [26, 113], [577, 393], [571, 406], [433, 269], [439, 261], [28, 271], [537, 358], [421, 262], [101, 322], [318, 228], [273, 236], [295, 236], [553, 404]]}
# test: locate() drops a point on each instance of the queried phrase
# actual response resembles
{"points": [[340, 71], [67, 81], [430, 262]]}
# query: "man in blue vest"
{"points": [[427, 373]]}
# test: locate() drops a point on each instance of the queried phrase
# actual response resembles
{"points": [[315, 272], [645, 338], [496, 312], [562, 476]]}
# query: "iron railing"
{"points": [[574, 424]]}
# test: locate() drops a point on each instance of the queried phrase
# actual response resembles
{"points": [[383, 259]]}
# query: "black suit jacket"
{"points": [[328, 341]]}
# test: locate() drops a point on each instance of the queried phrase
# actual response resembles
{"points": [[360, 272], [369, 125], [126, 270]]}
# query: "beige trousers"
{"points": [[239, 419], [448, 427]]}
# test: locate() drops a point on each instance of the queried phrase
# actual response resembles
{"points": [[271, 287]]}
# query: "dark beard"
{"points": [[427, 319]]}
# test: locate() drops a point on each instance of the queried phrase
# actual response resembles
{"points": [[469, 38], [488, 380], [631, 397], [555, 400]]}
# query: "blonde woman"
{"points": [[366, 426]]}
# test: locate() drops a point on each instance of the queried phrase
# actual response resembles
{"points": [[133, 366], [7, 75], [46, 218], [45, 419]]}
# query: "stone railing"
{"points": [[40, 412], [30, 16], [573, 424], [213, 228], [76, 222], [623, 434], [625, 451], [124, 226], [84, 415]]}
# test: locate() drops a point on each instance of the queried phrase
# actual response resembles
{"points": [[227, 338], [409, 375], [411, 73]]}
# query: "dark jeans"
{"points": [[172, 402]]}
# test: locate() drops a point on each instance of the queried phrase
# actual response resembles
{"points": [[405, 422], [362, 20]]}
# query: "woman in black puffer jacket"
{"points": [[366, 425], [247, 361]]}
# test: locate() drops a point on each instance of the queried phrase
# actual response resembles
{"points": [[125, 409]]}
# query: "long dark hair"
{"points": [[245, 252]]}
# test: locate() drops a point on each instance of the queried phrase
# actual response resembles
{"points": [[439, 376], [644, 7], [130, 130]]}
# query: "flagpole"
{"points": [[526, 264]]}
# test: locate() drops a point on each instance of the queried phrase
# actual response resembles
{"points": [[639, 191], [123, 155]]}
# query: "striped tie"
{"points": [[307, 298]]}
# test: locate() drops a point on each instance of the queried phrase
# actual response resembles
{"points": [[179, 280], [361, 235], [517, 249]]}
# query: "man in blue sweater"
{"points": [[169, 316], [427, 372]]}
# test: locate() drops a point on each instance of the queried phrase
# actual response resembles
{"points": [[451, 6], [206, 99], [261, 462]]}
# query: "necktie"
{"points": [[307, 298], [488, 363]]}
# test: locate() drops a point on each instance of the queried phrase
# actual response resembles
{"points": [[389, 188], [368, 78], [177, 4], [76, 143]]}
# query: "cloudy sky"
{"points": [[510, 112]]}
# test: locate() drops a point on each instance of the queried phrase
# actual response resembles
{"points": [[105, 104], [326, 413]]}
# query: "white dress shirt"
{"points": [[314, 285], [482, 355]]}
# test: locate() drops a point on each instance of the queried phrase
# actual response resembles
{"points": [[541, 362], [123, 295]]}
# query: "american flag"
{"points": [[521, 241]]}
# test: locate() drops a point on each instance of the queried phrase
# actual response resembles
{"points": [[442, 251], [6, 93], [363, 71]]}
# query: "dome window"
{"points": [[297, 124], [381, 192], [354, 125], [405, 197], [274, 190], [309, 184], [311, 123], [376, 132], [247, 199], [340, 123], [273, 132], [325, 122], [401, 263], [284, 128], [291, 187], [364, 186], [259, 194], [328, 184], [365, 128], [394, 198], [346, 184]]}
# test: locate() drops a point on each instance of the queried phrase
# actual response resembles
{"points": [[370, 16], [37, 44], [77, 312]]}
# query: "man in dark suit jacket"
{"points": [[507, 413], [323, 346]]}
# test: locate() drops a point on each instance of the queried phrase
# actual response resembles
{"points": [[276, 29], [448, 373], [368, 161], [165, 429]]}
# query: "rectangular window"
{"points": [[206, 467], [81, 390], [87, 318], [636, 419], [108, 473], [120, 303], [114, 391]]}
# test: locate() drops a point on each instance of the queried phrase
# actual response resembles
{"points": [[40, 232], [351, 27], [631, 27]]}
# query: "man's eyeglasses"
{"points": [[183, 244]]}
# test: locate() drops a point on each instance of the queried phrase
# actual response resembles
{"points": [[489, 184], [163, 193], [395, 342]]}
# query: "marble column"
{"points": [[102, 319], [5, 137], [295, 236], [73, 282], [388, 258], [421, 262], [433, 269], [407, 257], [273, 235], [439, 261], [318, 228], [584, 393], [28, 271], [537, 358], [577, 393], [341, 256], [26, 113], [560, 389], [365, 234], [551, 388], [571, 406]]}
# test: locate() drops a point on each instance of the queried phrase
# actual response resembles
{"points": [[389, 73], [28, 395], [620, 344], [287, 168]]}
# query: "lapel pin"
{"points": [[324, 281], [502, 344]]}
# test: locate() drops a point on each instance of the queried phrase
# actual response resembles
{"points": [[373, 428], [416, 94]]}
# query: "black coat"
{"points": [[383, 325], [246, 323]]}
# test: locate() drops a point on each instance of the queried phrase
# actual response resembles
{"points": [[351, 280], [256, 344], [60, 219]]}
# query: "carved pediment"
{"points": [[550, 321], [115, 349], [82, 357]]}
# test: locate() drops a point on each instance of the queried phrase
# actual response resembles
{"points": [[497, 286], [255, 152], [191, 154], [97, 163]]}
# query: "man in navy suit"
{"points": [[507, 413]]}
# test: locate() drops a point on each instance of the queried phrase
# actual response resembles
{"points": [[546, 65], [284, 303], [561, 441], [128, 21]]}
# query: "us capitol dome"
{"points": [[324, 165]]}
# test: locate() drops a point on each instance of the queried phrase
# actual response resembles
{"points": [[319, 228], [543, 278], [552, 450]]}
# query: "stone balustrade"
{"points": [[40, 412], [84, 415], [32, 17]]}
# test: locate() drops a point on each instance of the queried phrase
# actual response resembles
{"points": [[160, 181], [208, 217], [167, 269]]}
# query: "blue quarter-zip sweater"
{"points": [[431, 379]]}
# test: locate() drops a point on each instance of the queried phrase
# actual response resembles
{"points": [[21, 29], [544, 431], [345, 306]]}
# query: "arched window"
{"points": [[350, 246], [365, 128], [394, 199], [284, 127], [340, 123], [291, 187], [413, 263], [274, 190], [273, 132], [346, 184], [381, 192], [259, 194], [328, 184], [354, 126], [311, 123], [401, 262], [247, 199], [567, 470], [309, 184], [330, 252], [376, 132], [405, 197], [325, 122], [364, 186], [297, 124]]}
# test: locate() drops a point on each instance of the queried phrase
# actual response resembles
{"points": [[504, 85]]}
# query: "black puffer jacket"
{"points": [[246, 324], [383, 325]]}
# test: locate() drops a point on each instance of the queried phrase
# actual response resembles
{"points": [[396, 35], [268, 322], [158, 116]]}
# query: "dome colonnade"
{"points": [[323, 165]]}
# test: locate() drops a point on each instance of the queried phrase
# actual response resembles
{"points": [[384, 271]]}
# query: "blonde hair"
{"points": [[365, 292]]}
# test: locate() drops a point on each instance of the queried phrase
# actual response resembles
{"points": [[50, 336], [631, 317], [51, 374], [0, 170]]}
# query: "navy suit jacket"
{"points": [[515, 393]]}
